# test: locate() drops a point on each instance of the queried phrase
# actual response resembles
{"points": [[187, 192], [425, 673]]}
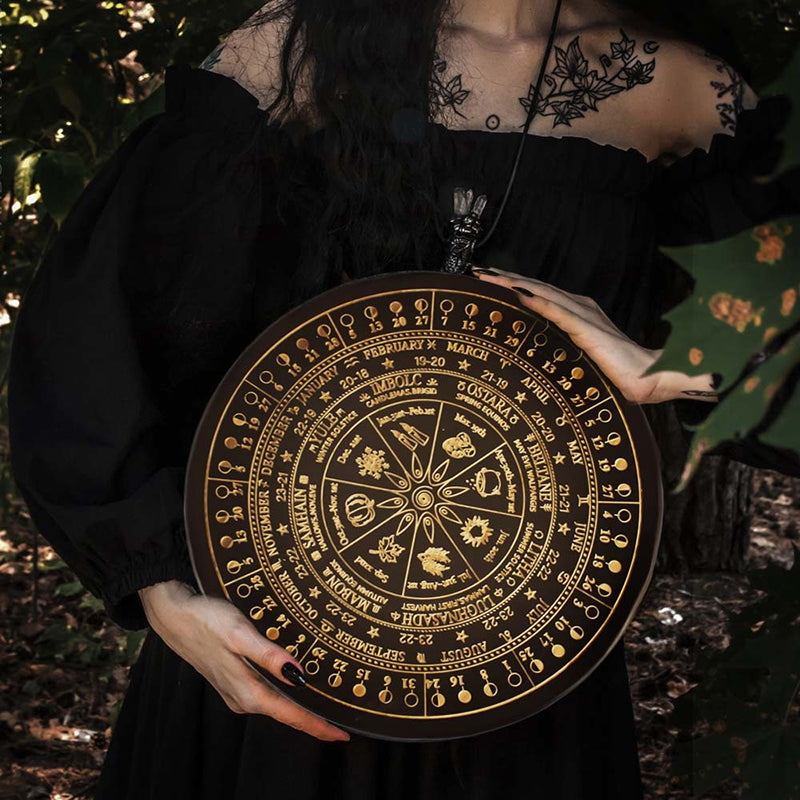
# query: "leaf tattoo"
{"points": [[573, 88], [730, 91], [446, 93]]}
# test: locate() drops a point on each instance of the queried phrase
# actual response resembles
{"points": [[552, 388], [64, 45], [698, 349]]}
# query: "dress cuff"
{"points": [[121, 596]]}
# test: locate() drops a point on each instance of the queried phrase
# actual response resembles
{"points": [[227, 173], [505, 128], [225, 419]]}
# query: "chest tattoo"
{"points": [[569, 89], [446, 93]]}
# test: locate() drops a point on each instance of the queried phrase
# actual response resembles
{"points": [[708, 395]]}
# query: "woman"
{"points": [[270, 178]]}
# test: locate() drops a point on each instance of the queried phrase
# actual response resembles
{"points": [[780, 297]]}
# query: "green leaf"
{"points": [[746, 740], [58, 638], [746, 291], [783, 430], [52, 565], [744, 408], [71, 589], [68, 96], [24, 175], [133, 644], [61, 176], [12, 151], [91, 602]]}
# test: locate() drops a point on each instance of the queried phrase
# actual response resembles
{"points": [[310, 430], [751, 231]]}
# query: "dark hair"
{"points": [[371, 88]]}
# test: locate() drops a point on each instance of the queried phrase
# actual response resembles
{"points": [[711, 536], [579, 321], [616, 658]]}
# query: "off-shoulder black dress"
{"points": [[174, 258]]}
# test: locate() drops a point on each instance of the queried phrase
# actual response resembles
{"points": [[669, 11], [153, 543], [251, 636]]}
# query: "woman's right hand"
{"points": [[213, 636]]}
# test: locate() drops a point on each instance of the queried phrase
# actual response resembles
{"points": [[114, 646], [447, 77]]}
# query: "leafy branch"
{"points": [[743, 318]]}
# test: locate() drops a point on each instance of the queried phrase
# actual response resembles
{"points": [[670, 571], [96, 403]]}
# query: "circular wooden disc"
{"points": [[431, 498]]}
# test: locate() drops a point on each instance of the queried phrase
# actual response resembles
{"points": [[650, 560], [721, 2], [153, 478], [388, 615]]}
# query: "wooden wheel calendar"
{"points": [[429, 496]]}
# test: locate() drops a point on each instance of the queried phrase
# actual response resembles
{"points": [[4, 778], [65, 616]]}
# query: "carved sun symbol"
{"points": [[476, 531], [372, 462]]}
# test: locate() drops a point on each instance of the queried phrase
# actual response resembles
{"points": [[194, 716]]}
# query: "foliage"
{"points": [[747, 704], [78, 76], [741, 320], [66, 641]]}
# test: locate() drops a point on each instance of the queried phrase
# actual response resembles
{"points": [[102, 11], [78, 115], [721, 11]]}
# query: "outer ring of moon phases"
{"points": [[431, 498]]}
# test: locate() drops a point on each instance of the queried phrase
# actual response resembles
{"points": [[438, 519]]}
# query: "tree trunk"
{"points": [[706, 526]]}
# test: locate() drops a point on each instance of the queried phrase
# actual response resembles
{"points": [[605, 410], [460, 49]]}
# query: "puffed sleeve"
{"points": [[140, 305], [712, 194]]}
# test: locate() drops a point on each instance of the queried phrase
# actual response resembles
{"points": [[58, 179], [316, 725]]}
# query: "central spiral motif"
{"points": [[423, 498], [436, 502]]}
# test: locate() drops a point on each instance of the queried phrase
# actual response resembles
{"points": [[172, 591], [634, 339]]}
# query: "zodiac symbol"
{"points": [[459, 446], [434, 560]]}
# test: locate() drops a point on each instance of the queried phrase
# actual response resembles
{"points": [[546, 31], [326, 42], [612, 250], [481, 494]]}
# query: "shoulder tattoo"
{"points": [[569, 89], [730, 92], [213, 57]]}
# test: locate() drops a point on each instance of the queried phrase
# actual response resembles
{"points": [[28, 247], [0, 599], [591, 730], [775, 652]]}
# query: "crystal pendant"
{"points": [[464, 228]]}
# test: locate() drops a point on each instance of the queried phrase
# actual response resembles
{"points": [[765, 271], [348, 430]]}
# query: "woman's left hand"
{"points": [[620, 358]]}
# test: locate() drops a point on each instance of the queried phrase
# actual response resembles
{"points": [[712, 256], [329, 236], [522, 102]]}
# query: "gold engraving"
{"points": [[430, 498], [360, 509], [372, 463], [435, 560], [476, 531], [459, 446]]}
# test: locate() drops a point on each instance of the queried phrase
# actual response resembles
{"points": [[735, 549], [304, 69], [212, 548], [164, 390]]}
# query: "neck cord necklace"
{"points": [[465, 226]]}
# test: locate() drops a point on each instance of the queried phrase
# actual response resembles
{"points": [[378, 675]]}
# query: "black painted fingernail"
{"points": [[291, 672], [523, 290], [482, 271]]}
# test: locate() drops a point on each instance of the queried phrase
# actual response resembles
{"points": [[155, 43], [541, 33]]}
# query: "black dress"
{"points": [[174, 259]]}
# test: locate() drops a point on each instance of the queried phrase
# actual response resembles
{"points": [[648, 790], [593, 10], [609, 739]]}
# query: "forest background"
{"points": [[714, 651]]}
